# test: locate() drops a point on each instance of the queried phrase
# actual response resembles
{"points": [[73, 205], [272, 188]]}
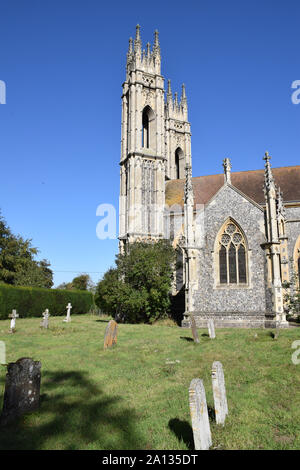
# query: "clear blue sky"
{"points": [[63, 62]]}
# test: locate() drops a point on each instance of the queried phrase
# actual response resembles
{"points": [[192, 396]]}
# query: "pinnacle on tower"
{"points": [[169, 93], [183, 94], [176, 99], [137, 41], [156, 47]]}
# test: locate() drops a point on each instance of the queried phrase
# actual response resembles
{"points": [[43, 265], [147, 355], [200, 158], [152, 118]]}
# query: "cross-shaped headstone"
{"points": [[45, 321], [68, 317], [13, 317]]}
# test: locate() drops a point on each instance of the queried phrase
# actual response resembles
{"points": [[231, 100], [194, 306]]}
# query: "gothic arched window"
{"points": [[178, 159], [232, 255], [148, 134]]}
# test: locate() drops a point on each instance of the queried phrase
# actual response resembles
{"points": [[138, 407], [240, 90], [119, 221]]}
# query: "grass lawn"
{"points": [[129, 398]]}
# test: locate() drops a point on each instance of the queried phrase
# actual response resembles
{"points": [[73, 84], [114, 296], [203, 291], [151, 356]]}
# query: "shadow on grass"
{"points": [[73, 413], [183, 431], [187, 338]]}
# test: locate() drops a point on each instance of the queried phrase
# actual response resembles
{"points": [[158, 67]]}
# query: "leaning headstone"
{"points": [[22, 389], [68, 317], [199, 415], [13, 317], [194, 329], [110, 337], [45, 321], [211, 328], [219, 392]]}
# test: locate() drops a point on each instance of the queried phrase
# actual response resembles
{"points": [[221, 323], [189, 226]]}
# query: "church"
{"points": [[236, 234]]}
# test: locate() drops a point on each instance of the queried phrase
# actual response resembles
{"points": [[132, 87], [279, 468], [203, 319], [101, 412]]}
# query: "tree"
{"points": [[81, 282], [138, 289], [292, 294], [17, 263]]}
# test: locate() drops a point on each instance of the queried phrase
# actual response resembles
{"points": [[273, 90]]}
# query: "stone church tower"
{"points": [[236, 234], [155, 143]]}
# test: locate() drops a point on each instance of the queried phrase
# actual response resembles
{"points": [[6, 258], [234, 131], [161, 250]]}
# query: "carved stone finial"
{"points": [[137, 41], [188, 186], [156, 47], [269, 180], [176, 99], [227, 170], [280, 204]]}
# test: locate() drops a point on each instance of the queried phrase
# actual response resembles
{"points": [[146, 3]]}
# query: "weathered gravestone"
{"points": [[211, 328], [2, 353], [194, 329], [45, 321], [199, 415], [68, 317], [22, 389], [13, 317], [110, 337], [219, 392]]}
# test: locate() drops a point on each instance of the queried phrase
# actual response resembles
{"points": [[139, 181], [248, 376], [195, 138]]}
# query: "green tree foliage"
{"points": [[81, 282], [138, 289], [292, 294], [17, 263]]}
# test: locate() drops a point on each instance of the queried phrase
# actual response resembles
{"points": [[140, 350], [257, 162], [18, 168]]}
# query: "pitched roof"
{"points": [[249, 182]]}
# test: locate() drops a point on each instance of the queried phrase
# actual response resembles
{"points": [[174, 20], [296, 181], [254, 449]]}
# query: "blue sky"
{"points": [[63, 63]]}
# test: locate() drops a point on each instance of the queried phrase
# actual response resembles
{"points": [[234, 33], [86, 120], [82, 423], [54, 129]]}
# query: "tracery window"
{"points": [[232, 256]]}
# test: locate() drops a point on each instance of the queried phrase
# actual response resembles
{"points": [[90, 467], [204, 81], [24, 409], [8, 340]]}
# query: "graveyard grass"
{"points": [[128, 397]]}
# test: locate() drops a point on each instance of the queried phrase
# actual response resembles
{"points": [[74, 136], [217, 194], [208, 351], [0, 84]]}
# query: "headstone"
{"points": [[219, 392], [45, 321], [22, 389], [68, 317], [2, 353], [194, 329], [211, 328], [199, 415], [13, 317], [110, 337]]}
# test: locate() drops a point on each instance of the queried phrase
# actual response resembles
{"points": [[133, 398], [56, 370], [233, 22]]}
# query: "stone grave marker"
{"points": [[68, 317], [2, 353], [45, 321], [219, 392], [22, 389], [110, 337], [13, 317], [211, 328], [194, 329], [199, 415]]}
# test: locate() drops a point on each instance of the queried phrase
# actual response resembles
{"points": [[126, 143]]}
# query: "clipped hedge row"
{"points": [[32, 301]]}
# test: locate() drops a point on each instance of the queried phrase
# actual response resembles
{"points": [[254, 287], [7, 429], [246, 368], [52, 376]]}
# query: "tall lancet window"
{"points": [[145, 131], [148, 128], [232, 256], [178, 159]]}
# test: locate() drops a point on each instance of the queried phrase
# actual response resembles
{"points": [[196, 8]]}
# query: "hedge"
{"points": [[32, 301]]}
